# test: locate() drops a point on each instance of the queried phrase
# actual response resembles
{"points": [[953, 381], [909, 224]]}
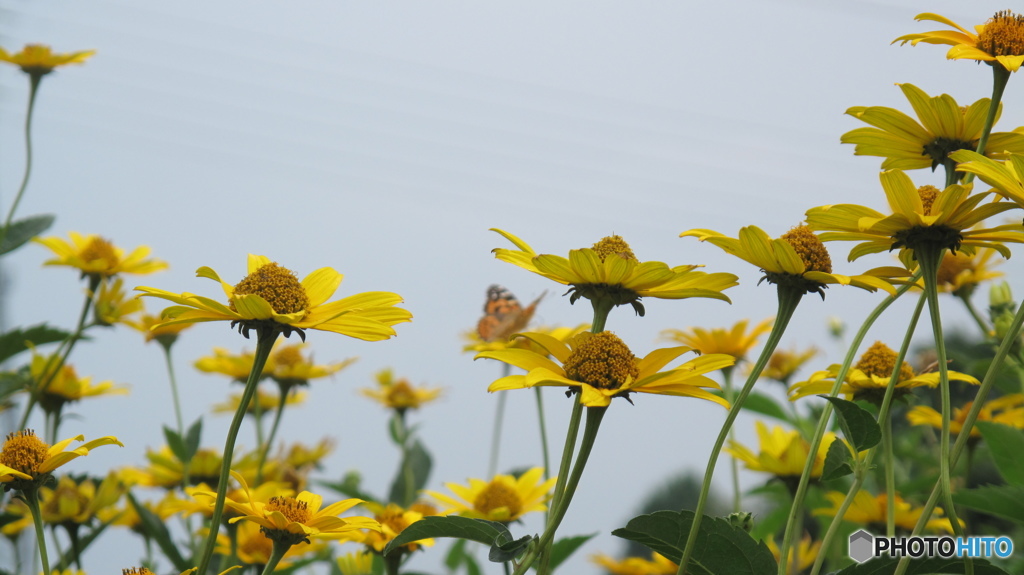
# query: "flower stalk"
{"points": [[34, 80]]}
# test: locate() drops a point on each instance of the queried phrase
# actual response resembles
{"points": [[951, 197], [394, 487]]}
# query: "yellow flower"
{"points": [[797, 259], [255, 548], [39, 60], [782, 453], [503, 498], [271, 296], [203, 498], [97, 257], [802, 556], [1007, 410], [356, 563], [1005, 177], [393, 520], [111, 304], [266, 400], [476, 344], [870, 511], [944, 127], [26, 461], [1000, 40], [70, 502], [152, 328], [960, 273], [399, 394], [611, 271], [167, 471], [65, 386], [226, 363], [920, 217], [734, 341], [783, 364], [869, 378], [658, 564], [289, 365], [601, 367]]}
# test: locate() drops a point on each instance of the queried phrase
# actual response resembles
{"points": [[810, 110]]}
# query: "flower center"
{"points": [[880, 361], [136, 571], [603, 361], [99, 249], [401, 395], [24, 451], [256, 546], [1003, 35], [614, 245], [294, 510], [809, 248], [289, 355], [278, 286], [393, 518], [495, 496], [952, 266], [66, 502], [928, 195]]}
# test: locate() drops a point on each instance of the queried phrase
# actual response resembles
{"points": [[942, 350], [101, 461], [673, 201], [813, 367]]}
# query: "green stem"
{"points": [[284, 388], [546, 461], [564, 465], [392, 562], [788, 300], [33, 88], [499, 418], [823, 421], [982, 325], [1000, 76], [602, 307], [265, 339], [734, 466], [280, 548], [32, 502], [174, 389], [408, 478]]}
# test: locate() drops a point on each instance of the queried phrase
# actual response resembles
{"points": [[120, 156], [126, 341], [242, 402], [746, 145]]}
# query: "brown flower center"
{"points": [[928, 195], [293, 510], [256, 547], [278, 286], [614, 245], [880, 361], [394, 518], [136, 571], [290, 356], [1003, 35], [952, 266], [100, 249], [24, 451], [497, 495], [603, 361], [401, 395], [809, 248]]}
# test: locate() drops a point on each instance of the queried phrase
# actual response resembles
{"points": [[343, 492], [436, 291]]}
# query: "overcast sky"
{"points": [[384, 139]]}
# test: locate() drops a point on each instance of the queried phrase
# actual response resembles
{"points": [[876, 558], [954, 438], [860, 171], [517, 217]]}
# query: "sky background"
{"points": [[385, 139]]}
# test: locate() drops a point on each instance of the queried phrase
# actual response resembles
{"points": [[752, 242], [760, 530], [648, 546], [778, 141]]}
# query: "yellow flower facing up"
{"points": [[610, 271], [801, 556], [266, 400], [943, 127], [399, 394], [271, 297], [504, 498], [1004, 177], [26, 461], [734, 341], [869, 378], [39, 59], [921, 217], [477, 344], [783, 453], [111, 304], [202, 498], [1000, 41], [1007, 410], [601, 367], [658, 564], [97, 258], [870, 511], [797, 259], [393, 520], [784, 363], [66, 386]]}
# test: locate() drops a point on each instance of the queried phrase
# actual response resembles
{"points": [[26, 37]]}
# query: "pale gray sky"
{"points": [[384, 139]]}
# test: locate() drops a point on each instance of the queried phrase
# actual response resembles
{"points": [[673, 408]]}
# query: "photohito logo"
{"points": [[864, 546]]}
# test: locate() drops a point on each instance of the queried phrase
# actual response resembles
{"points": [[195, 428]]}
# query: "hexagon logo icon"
{"points": [[861, 546]]}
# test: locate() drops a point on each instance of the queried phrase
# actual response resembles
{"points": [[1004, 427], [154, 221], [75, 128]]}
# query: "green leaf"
{"points": [[838, 461], [565, 547], [350, 486], [457, 557], [405, 487], [936, 566], [24, 230], [1006, 445], [765, 405], [486, 532], [14, 342], [1005, 501], [192, 438], [859, 427], [506, 552], [157, 531], [720, 547], [176, 444]]}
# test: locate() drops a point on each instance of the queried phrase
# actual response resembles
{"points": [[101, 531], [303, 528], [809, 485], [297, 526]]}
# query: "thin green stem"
{"points": [[788, 300], [546, 461], [734, 465], [602, 307], [284, 389], [32, 502], [34, 80], [982, 324], [499, 419], [174, 389], [567, 453], [1000, 76], [265, 339], [279, 549]]}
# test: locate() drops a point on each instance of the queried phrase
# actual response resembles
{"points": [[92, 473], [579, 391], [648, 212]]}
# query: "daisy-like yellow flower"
{"points": [[267, 402], [870, 511], [97, 257], [393, 520], [998, 41], [152, 328], [202, 498], [943, 127], [610, 271], [601, 367], [734, 341], [869, 378], [797, 259], [255, 548], [801, 556], [1006, 177], [960, 273], [921, 217], [71, 502], [112, 305], [399, 394], [784, 363], [270, 296], [356, 563], [39, 59], [65, 386], [223, 362], [504, 498], [1007, 410], [27, 461], [782, 453], [476, 344], [296, 519], [287, 363], [167, 471], [658, 564]]}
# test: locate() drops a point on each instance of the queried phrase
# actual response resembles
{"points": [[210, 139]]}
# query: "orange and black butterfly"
{"points": [[503, 314]]}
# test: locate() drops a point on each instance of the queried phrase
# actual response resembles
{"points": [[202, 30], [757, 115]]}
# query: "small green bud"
{"points": [[744, 521]]}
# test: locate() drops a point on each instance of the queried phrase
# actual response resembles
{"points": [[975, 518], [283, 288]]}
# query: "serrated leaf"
{"points": [[506, 552], [1006, 445], [13, 342], [720, 547], [192, 438], [1005, 501], [859, 427], [937, 566], [479, 530], [157, 531], [565, 547], [24, 230], [405, 486], [838, 461]]}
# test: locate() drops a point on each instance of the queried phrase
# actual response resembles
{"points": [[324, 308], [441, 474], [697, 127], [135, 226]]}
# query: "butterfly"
{"points": [[503, 314]]}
